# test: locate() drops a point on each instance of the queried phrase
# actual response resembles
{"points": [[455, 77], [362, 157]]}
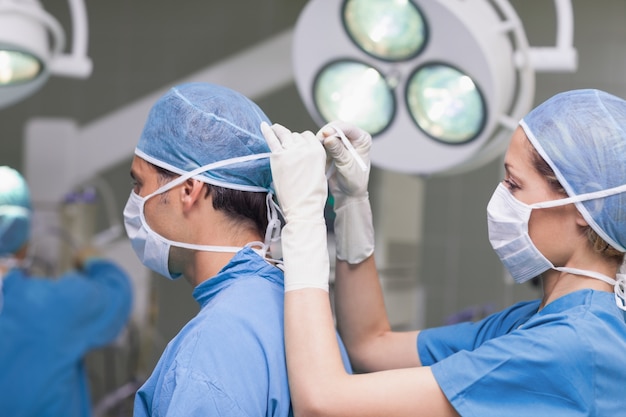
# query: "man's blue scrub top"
{"points": [[229, 360]]}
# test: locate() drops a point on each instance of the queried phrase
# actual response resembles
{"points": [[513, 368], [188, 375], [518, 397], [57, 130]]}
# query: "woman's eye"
{"points": [[510, 184]]}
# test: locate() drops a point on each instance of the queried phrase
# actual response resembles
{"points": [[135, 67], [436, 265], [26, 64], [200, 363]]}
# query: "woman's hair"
{"points": [[598, 244], [244, 207]]}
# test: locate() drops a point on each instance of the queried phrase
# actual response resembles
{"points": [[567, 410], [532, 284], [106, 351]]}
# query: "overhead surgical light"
{"points": [[440, 84], [31, 48]]}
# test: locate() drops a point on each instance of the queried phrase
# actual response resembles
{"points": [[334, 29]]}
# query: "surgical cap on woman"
{"points": [[15, 210], [581, 135], [197, 124]]}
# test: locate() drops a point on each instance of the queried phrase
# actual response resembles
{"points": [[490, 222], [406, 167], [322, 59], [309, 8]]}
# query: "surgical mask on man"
{"points": [[508, 219], [153, 249]]}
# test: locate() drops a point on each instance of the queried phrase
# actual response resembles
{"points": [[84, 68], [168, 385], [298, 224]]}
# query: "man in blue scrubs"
{"points": [[47, 326], [202, 208]]}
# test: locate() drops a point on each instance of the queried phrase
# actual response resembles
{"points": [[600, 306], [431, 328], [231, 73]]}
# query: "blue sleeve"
{"points": [[533, 372], [95, 303], [438, 343]]}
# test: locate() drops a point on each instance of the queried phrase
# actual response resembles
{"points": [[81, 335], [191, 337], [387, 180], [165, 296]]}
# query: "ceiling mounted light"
{"points": [[393, 30], [440, 84], [351, 90], [31, 48], [445, 103]]}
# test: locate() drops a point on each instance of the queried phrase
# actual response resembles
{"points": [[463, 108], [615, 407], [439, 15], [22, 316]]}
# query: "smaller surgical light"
{"points": [[387, 29], [445, 103], [32, 44], [18, 67], [354, 92]]}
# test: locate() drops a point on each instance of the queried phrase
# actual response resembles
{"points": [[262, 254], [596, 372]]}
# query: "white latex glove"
{"points": [[354, 229], [298, 162]]}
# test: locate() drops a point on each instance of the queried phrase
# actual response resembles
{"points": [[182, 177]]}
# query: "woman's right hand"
{"points": [[298, 162]]}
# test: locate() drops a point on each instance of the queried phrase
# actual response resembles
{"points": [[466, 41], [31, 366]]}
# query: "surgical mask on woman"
{"points": [[153, 250], [508, 219]]}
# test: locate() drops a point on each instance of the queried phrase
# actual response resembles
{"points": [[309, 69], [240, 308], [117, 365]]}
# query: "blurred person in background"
{"points": [[49, 324]]}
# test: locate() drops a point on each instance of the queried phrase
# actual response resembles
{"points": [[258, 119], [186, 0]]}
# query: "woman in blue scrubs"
{"points": [[557, 214]]}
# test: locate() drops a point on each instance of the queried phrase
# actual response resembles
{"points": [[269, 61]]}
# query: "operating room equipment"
{"points": [[32, 47], [440, 84]]}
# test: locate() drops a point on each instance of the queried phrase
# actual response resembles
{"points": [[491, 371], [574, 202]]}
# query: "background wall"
{"points": [[435, 256]]}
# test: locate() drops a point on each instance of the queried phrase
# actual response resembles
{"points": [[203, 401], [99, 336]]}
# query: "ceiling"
{"points": [[140, 46], [143, 45]]}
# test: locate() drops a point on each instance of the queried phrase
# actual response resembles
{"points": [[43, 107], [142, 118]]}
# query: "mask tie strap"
{"points": [[581, 197], [619, 283], [185, 175], [587, 273]]}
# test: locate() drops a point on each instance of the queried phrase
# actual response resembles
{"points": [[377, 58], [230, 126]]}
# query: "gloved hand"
{"points": [[354, 229], [297, 163]]}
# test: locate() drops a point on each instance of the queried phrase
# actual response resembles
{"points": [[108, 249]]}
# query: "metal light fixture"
{"points": [[440, 84], [31, 48]]}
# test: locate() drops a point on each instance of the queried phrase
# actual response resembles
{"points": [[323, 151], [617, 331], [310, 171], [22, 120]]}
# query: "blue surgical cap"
{"points": [[15, 210], [196, 124], [581, 134]]}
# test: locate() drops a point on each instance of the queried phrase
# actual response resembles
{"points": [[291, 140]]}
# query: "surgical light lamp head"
{"points": [[438, 83], [31, 48]]}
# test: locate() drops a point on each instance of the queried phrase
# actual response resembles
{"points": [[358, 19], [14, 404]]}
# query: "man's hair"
{"points": [[241, 206]]}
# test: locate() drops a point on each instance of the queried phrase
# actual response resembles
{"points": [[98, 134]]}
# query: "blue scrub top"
{"points": [[569, 359], [229, 360], [46, 328]]}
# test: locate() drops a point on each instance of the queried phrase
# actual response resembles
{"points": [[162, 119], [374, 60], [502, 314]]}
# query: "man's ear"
{"points": [[191, 191]]}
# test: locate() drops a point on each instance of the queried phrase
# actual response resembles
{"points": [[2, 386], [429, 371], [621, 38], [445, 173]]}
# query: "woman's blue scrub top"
{"points": [[569, 359]]}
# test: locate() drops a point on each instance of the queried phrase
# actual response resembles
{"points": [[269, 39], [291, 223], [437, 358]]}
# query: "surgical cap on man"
{"points": [[15, 210], [581, 135], [197, 124]]}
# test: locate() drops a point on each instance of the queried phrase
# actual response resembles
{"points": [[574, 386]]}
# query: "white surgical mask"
{"points": [[152, 249], [508, 219]]}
